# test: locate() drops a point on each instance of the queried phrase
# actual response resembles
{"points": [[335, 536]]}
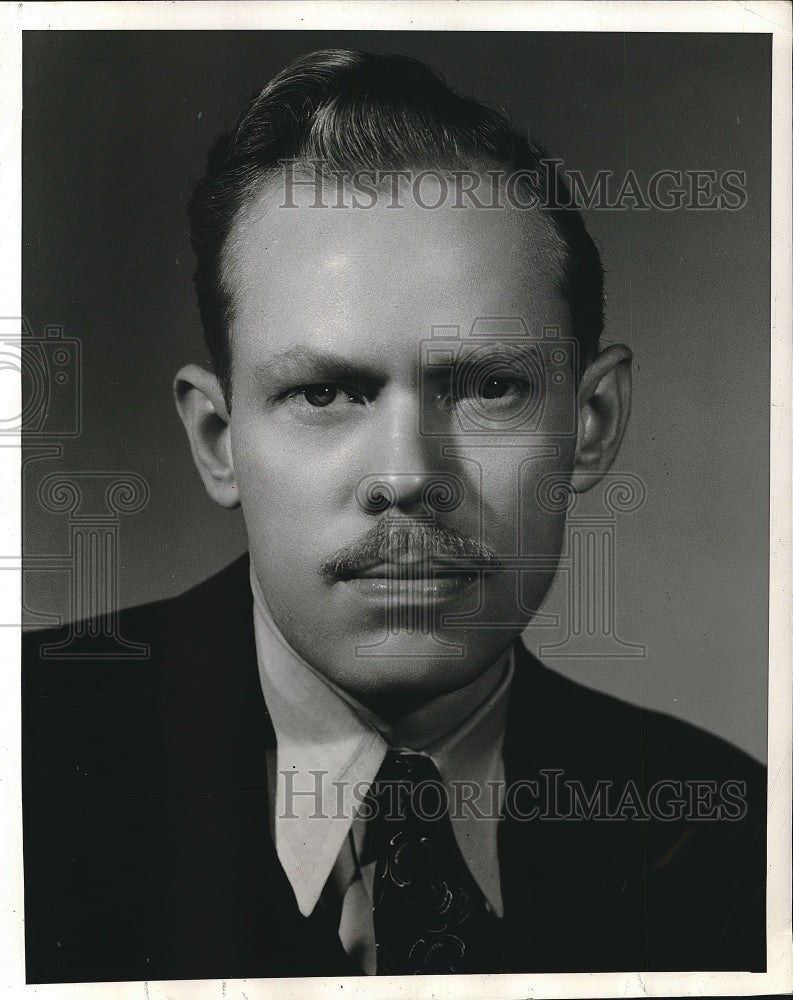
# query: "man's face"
{"points": [[361, 450]]}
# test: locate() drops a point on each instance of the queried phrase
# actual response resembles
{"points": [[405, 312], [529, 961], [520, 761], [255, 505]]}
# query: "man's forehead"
{"points": [[280, 227], [367, 281]]}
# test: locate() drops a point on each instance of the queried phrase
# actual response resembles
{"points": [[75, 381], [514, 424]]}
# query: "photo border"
{"points": [[770, 16]]}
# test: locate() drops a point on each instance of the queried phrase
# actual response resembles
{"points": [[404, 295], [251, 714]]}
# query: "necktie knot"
{"points": [[403, 765], [408, 789]]}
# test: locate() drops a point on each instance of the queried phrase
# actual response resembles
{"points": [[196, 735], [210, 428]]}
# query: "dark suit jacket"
{"points": [[148, 852]]}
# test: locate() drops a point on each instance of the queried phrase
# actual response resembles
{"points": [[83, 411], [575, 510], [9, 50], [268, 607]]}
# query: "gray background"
{"points": [[115, 130]]}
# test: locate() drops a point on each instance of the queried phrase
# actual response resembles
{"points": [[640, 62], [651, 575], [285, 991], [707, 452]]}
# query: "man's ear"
{"points": [[200, 402], [604, 403]]}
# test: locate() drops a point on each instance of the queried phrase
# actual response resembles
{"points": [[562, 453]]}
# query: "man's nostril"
{"points": [[437, 493]]}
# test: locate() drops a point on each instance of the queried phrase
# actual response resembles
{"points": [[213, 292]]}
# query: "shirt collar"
{"points": [[330, 748]]}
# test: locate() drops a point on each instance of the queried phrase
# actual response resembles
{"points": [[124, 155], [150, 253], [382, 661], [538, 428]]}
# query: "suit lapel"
{"points": [[567, 879]]}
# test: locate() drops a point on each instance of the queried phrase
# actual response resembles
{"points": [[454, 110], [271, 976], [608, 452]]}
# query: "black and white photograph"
{"points": [[402, 462]]}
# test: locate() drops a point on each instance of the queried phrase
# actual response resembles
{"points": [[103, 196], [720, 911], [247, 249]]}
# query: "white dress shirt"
{"points": [[329, 750]]}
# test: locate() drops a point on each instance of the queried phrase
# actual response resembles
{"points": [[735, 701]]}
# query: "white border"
{"points": [[768, 16]]}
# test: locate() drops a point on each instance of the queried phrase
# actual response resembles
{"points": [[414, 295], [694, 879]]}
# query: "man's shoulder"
{"points": [[203, 614], [654, 826], [121, 691], [598, 731]]}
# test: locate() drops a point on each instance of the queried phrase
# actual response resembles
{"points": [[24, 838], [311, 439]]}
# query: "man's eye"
{"points": [[491, 387], [323, 394], [496, 388], [320, 395]]}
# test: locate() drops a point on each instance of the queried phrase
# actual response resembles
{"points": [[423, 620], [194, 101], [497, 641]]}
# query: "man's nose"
{"points": [[417, 495], [407, 471]]}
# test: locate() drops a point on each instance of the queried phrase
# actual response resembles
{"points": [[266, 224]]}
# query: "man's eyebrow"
{"points": [[498, 350], [519, 355], [305, 364]]}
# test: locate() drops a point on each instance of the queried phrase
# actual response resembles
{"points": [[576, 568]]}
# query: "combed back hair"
{"points": [[357, 111]]}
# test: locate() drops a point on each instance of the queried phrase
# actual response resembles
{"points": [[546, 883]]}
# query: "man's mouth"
{"points": [[416, 582], [413, 588], [410, 564]]}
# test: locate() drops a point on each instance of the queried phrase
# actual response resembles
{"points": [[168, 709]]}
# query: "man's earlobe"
{"points": [[200, 402], [604, 403]]}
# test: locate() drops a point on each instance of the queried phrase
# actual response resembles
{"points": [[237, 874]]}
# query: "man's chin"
{"points": [[404, 668]]}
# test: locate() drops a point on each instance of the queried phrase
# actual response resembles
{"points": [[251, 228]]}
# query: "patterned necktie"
{"points": [[429, 914]]}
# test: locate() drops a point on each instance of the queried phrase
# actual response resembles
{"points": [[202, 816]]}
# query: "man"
{"points": [[339, 758]]}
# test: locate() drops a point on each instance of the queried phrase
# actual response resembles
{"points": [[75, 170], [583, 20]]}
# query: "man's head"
{"points": [[400, 376]]}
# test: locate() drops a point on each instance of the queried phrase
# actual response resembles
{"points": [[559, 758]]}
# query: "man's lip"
{"points": [[411, 570], [406, 591]]}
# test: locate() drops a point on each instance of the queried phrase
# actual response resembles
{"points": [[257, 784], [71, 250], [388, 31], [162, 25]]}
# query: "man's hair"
{"points": [[356, 111]]}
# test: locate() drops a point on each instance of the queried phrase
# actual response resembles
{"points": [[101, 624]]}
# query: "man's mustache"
{"points": [[405, 542]]}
